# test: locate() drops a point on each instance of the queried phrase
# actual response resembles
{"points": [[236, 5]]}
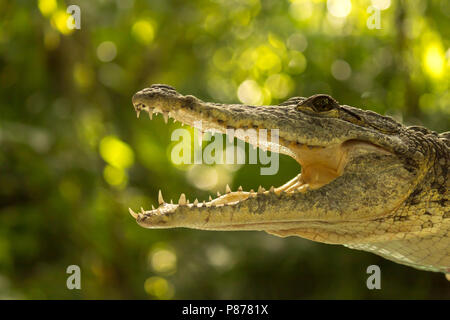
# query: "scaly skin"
{"points": [[367, 181]]}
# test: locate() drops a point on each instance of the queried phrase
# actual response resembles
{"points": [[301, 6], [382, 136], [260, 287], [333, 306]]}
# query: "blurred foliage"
{"points": [[74, 157]]}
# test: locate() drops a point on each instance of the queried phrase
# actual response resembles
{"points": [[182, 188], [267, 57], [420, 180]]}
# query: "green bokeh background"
{"points": [[74, 157]]}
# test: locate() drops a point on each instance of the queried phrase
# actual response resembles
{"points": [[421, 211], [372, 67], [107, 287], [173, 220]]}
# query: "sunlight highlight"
{"points": [[106, 51], [381, 4], [280, 85], [163, 260], [203, 177], [47, 7], [143, 31], [159, 288], [434, 61], [250, 93], [116, 152], [339, 8], [114, 176], [59, 22]]}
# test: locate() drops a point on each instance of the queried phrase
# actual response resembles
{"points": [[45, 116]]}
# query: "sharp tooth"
{"points": [[160, 198], [204, 202], [252, 191], [291, 188], [182, 200], [187, 201], [138, 112], [261, 189], [134, 214], [218, 193], [142, 210], [150, 114], [227, 189], [240, 188], [153, 207], [171, 201], [272, 189], [303, 188], [210, 198], [195, 202], [166, 116]]}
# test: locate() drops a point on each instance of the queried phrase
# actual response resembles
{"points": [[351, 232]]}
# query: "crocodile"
{"points": [[367, 181]]}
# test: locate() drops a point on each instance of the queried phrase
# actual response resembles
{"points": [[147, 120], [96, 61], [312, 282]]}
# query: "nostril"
{"points": [[137, 107]]}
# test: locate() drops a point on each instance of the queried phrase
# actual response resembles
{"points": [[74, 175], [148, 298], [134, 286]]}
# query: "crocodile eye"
{"points": [[320, 103]]}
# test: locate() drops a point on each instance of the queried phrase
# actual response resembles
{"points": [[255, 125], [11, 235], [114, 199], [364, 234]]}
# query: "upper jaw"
{"points": [[296, 131], [292, 126], [298, 134]]}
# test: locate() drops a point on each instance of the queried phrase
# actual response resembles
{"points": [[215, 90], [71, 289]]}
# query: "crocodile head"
{"points": [[357, 166]]}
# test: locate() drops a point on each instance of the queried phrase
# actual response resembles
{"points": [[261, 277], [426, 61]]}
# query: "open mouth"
{"points": [[320, 164]]}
